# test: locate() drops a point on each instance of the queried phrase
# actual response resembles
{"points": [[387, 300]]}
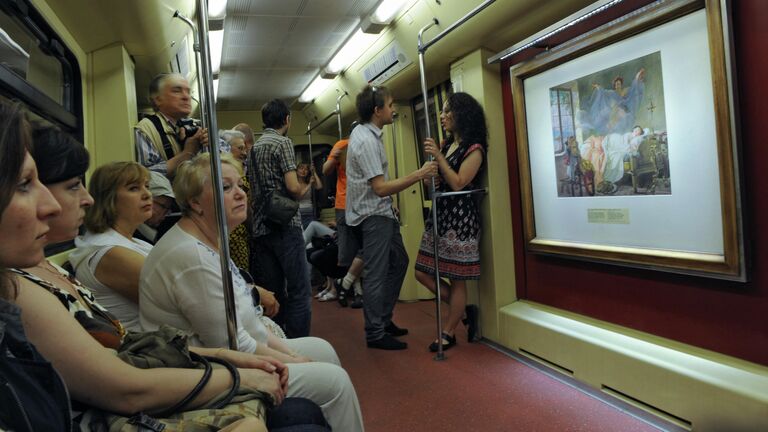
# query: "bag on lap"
{"points": [[167, 347]]}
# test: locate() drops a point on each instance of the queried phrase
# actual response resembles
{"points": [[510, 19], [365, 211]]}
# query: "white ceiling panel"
{"points": [[276, 48], [265, 30], [336, 8], [278, 8]]}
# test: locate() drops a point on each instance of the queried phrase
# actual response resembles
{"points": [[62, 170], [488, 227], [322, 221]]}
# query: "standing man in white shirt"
{"points": [[369, 210]]}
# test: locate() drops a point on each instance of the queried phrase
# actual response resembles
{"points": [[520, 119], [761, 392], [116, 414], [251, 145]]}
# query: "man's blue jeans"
{"points": [[279, 264]]}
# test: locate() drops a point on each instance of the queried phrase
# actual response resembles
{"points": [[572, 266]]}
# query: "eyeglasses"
{"points": [[161, 205]]}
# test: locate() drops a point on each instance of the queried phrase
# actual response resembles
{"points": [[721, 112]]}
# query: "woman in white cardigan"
{"points": [[181, 285]]}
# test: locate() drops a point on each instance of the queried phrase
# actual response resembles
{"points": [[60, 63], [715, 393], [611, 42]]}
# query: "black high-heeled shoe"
{"points": [[447, 340], [470, 322]]}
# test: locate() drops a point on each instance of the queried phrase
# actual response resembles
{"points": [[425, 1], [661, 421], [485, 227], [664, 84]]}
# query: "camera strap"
{"points": [[169, 153]]}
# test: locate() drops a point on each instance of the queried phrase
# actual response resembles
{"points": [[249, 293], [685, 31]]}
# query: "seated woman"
{"points": [[93, 374], [318, 230], [25, 206], [181, 285], [238, 239], [108, 259]]}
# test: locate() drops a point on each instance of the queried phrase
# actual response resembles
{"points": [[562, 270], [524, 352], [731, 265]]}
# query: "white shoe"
{"points": [[322, 293], [331, 295]]}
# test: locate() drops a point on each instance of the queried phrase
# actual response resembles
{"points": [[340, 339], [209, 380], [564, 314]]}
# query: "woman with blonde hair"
{"points": [[108, 259], [181, 285]]}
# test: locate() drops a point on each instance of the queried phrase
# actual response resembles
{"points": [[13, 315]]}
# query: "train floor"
{"points": [[477, 387]]}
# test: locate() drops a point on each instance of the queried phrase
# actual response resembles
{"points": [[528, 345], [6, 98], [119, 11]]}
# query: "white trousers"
{"points": [[324, 382]]}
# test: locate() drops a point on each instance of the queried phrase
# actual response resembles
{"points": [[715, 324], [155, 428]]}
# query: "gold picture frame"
{"points": [[668, 217]]}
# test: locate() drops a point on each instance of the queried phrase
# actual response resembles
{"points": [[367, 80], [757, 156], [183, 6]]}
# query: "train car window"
{"points": [[37, 68]]}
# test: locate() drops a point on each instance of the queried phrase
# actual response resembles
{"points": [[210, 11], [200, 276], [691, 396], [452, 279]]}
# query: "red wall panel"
{"points": [[727, 317]]}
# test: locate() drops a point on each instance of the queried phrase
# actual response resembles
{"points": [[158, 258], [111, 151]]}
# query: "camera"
{"points": [[190, 126]]}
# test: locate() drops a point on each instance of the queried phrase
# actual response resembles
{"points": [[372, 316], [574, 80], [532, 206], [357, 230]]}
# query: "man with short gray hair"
{"points": [[162, 142]]}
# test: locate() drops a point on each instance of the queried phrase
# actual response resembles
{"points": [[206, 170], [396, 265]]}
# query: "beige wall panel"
{"points": [[114, 104], [496, 287]]}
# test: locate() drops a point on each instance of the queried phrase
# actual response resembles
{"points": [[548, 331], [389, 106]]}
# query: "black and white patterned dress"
{"points": [[458, 220]]}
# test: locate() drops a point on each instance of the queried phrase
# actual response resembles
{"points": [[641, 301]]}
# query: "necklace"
{"points": [[213, 244], [50, 269]]}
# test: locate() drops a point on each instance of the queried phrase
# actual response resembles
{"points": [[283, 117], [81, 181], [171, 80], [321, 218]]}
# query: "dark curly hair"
{"points": [[468, 120]]}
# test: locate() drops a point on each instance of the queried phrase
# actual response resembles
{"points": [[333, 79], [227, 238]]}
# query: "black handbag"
{"points": [[32, 395], [279, 209]]}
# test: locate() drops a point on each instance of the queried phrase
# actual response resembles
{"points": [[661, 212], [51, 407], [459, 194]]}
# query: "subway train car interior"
{"points": [[385, 215]]}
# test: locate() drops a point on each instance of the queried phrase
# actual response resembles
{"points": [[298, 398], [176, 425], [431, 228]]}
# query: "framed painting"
{"points": [[627, 144]]}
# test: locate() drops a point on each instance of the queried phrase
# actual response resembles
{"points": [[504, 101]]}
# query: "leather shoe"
{"points": [[357, 303], [387, 343], [394, 330]]}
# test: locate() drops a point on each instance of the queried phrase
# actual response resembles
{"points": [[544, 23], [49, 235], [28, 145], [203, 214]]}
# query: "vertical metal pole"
{"points": [[311, 164], [435, 235], [338, 113], [205, 77], [197, 50], [395, 117]]}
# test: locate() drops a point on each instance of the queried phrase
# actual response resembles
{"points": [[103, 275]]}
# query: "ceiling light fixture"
{"points": [[319, 84], [215, 89], [217, 9], [387, 10], [350, 52], [216, 43], [382, 16]]}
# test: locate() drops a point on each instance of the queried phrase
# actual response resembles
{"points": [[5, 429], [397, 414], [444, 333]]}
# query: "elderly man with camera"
{"points": [[167, 138]]}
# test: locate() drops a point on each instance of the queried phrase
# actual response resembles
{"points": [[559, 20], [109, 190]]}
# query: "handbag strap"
{"points": [[206, 362], [235, 381], [179, 406]]}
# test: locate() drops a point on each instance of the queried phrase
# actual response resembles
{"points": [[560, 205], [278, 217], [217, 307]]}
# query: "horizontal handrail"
{"points": [[468, 192]]}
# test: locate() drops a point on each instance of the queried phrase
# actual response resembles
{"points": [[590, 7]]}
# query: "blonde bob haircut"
{"points": [[193, 175], [103, 186]]}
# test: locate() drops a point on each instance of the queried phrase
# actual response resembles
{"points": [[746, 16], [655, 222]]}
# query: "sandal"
{"points": [[447, 340], [330, 295]]}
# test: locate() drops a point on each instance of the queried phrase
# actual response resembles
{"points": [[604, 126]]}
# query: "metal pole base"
{"points": [[439, 356]]}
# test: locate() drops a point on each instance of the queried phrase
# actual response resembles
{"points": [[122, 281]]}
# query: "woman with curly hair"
{"points": [[459, 159]]}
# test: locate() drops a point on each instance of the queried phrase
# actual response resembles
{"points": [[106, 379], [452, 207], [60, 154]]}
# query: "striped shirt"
{"points": [[271, 157], [366, 159]]}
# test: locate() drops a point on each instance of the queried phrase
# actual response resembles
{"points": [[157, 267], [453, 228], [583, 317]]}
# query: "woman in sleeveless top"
{"points": [[32, 394], [458, 217], [309, 180]]}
